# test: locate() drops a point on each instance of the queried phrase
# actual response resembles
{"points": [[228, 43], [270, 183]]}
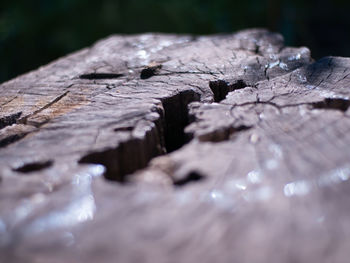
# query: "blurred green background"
{"points": [[34, 32]]}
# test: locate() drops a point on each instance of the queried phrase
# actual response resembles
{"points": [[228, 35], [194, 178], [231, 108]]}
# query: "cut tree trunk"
{"points": [[166, 148]]}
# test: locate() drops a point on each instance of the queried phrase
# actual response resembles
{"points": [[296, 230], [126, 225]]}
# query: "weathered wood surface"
{"points": [[258, 166]]}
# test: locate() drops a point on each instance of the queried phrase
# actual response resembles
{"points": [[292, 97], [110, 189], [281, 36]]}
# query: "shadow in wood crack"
{"points": [[100, 76], [34, 166], [192, 176], [165, 136], [332, 104], [221, 88], [10, 119]]}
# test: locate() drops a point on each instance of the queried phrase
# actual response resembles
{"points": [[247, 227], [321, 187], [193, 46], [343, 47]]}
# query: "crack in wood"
{"points": [[11, 139], [24, 119], [221, 88], [34, 166], [101, 76], [192, 176], [166, 135], [10, 119], [327, 104], [150, 70], [332, 104]]}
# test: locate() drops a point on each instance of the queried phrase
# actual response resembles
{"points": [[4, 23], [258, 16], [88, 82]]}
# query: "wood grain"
{"points": [[169, 148]]}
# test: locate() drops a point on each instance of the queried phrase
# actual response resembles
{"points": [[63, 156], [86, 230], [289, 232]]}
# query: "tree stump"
{"points": [[168, 148]]}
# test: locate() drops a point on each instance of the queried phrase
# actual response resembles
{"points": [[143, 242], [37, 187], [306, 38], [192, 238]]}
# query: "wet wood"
{"points": [[166, 148]]}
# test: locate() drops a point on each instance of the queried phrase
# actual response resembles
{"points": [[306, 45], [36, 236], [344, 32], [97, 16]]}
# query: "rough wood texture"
{"points": [[164, 148]]}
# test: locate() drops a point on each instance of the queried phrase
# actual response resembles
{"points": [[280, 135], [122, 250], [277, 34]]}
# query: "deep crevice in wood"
{"points": [[176, 119], [128, 157], [332, 104], [221, 88], [166, 135]]}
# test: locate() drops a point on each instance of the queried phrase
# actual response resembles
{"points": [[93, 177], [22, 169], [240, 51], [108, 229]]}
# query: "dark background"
{"points": [[33, 33]]}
